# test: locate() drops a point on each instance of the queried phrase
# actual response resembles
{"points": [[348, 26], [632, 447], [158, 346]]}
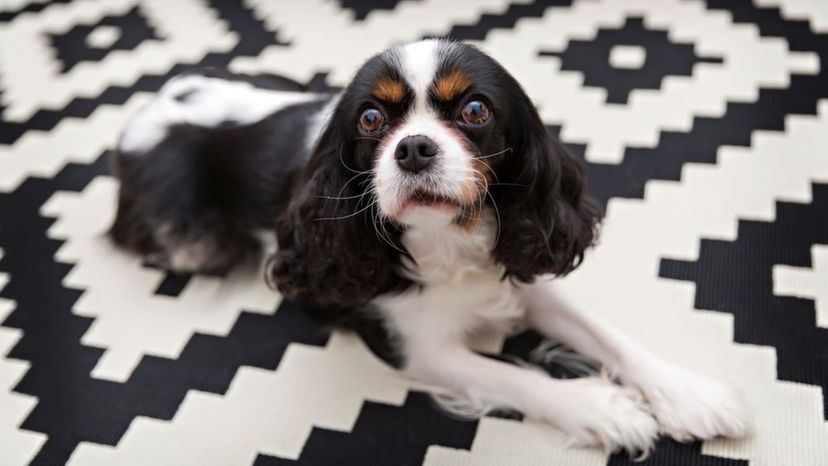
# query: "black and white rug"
{"points": [[705, 129]]}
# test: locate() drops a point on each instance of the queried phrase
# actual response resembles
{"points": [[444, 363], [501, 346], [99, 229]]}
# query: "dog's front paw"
{"points": [[596, 412], [691, 406]]}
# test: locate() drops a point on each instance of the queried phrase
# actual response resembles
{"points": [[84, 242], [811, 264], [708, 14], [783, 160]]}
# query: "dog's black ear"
{"points": [[329, 250], [546, 220]]}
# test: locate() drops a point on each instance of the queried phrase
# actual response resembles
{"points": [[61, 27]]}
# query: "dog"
{"points": [[427, 194]]}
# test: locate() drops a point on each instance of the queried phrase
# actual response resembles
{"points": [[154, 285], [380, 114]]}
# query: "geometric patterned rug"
{"points": [[704, 128]]}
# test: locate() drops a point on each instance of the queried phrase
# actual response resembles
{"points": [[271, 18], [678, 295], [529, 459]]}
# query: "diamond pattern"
{"points": [[700, 123]]}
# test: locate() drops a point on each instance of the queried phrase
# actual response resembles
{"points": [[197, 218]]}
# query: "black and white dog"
{"points": [[427, 193]]}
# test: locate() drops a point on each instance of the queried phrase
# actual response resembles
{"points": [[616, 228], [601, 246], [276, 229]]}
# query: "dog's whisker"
{"points": [[386, 236], [341, 190], [508, 149], [346, 216], [340, 198], [508, 184], [342, 161], [497, 213]]}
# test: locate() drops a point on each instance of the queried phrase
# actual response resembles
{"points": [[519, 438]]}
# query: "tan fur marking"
{"points": [[472, 193], [388, 90], [451, 85], [485, 169], [469, 192]]}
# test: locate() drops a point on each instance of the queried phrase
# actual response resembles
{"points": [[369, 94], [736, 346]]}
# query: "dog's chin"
{"points": [[428, 216], [426, 210]]}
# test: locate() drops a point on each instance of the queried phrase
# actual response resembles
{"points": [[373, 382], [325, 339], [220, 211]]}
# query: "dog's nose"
{"points": [[414, 153]]}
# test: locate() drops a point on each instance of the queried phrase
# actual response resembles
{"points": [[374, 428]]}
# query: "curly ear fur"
{"points": [[329, 252], [546, 221]]}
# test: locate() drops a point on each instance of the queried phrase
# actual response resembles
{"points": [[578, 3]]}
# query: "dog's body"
{"points": [[209, 160], [429, 194]]}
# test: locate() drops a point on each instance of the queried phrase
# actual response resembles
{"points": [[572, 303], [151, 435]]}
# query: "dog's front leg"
{"points": [[593, 411], [687, 405]]}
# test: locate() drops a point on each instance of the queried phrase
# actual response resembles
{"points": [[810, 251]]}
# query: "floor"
{"points": [[704, 127]]}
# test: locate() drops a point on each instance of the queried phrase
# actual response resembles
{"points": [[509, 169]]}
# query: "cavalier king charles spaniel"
{"points": [[427, 194]]}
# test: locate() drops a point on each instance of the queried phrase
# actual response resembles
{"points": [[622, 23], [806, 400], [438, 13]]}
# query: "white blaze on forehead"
{"points": [[419, 68]]}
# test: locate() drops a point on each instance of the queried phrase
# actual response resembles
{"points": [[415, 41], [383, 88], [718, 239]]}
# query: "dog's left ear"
{"points": [[330, 252], [546, 219]]}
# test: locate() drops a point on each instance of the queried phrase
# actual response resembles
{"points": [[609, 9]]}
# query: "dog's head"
{"points": [[429, 132]]}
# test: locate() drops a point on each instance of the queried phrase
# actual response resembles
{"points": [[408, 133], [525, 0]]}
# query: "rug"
{"points": [[704, 129]]}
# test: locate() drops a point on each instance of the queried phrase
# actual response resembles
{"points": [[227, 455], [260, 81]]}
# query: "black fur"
{"points": [[330, 251], [547, 221]]}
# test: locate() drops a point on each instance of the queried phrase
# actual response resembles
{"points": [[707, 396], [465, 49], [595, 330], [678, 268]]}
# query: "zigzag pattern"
{"points": [[712, 254]]}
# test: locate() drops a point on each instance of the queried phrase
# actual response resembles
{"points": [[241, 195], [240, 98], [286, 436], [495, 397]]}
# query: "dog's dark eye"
{"points": [[475, 113], [371, 120]]}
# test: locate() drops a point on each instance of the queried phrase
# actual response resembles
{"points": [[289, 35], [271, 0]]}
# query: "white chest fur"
{"points": [[462, 287]]}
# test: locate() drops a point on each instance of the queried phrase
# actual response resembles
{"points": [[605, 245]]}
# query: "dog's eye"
{"points": [[475, 113], [371, 120]]}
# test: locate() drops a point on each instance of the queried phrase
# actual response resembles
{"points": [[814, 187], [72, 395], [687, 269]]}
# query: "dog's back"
{"points": [[209, 160]]}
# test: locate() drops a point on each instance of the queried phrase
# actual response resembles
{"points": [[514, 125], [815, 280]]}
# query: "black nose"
{"points": [[414, 153]]}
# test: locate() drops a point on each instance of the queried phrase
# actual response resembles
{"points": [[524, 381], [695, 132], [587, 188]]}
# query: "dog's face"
{"points": [[430, 121], [430, 133]]}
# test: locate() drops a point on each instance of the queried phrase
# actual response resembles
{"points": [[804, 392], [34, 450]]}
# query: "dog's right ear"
{"points": [[330, 251], [548, 222]]}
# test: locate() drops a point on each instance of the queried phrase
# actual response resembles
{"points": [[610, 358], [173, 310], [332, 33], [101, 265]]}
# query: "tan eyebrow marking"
{"points": [[451, 85], [388, 90]]}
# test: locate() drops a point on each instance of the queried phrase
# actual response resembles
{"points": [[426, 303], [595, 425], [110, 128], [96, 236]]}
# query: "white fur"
{"points": [[689, 405], [463, 292], [191, 256], [180, 254], [593, 411], [208, 103]]}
